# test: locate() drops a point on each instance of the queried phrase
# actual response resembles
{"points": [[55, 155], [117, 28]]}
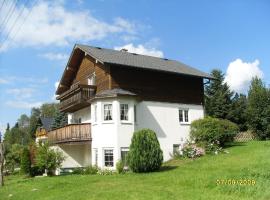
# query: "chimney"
{"points": [[124, 50]]}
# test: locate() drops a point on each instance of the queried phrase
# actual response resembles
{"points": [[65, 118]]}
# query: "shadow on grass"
{"points": [[165, 168], [235, 144]]}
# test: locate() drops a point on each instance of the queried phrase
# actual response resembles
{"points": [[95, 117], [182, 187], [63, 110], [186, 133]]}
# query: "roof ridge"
{"points": [[162, 58]]}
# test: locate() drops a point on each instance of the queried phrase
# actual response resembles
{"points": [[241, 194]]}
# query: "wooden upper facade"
{"points": [[75, 88]]}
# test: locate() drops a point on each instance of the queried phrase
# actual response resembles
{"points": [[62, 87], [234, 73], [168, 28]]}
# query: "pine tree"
{"points": [[60, 120], [218, 96], [259, 109], [238, 112]]}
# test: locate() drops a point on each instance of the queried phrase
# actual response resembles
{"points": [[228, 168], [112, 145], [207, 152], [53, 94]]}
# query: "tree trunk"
{"points": [[1, 164]]}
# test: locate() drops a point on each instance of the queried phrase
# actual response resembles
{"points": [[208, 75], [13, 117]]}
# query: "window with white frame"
{"points": [[107, 112], [92, 79], [95, 113], [96, 156], [108, 157], [183, 115], [124, 112], [124, 152]]}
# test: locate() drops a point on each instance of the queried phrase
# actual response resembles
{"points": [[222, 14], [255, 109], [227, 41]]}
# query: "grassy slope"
{"points": [[186, 180]]}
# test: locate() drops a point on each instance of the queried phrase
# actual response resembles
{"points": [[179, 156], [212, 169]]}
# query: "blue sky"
{"points": [[230, 35]]}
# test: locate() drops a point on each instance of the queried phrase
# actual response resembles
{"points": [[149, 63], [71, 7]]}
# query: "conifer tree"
{"points": [[259, 109], [218, 96]]}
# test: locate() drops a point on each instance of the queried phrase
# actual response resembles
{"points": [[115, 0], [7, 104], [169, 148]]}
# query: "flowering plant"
{"points": [[191, 151]]}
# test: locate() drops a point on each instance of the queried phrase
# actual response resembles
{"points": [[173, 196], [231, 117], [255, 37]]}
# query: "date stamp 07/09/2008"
{"points": [[244, 182]]}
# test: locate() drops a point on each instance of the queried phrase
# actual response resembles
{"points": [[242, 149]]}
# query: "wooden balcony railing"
{"points": [[76, 97], [70, 133]]}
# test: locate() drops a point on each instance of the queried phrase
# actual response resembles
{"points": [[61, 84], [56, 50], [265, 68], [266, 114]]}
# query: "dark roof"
{"points": [[46, 122], [114, 92], [111, 56]]}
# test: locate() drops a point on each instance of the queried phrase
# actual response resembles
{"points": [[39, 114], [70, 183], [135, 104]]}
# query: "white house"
{"points": [[109, 94]]}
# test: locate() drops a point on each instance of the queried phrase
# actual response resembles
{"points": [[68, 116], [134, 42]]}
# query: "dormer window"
{"points": [[92, 79]]}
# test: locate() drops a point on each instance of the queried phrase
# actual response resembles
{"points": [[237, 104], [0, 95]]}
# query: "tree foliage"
{"points": [[259, 109], [145, 154], [25, 165], [218, 96], [238, 112], [48, 109], [13, 157], [60, 120], [48, 158]]}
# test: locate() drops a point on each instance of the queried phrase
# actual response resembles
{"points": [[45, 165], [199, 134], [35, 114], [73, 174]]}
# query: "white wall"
{"points": [[104, 133], [78, 155], [84, 114], [163, 118]]}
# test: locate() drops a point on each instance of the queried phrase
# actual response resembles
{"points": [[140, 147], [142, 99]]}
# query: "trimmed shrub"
{"points": [[120, 167], [144, 153], [25, 161], [213, 130]]}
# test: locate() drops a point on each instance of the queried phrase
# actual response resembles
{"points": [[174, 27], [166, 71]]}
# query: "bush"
{"points": [[120, 167], [36, 171], [85, 170], [13, 157], [105, 172], [48, 159], [91, 170], [25, 161], [78, 170], [144, 154], [213, 130]]}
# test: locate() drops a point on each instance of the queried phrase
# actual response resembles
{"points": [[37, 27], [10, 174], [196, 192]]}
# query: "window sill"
{"points": [[107, 122], [185, 123], [126, 122]]}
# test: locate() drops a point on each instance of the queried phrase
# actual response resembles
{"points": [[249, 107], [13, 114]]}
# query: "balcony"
{"points": [[76, 97], [71, 133]]}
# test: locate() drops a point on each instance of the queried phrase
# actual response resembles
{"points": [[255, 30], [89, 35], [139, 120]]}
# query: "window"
{"points": [[183, 115], [124, 152], [107, 112], [186, 115], [135, 113], [176, 148], [108, 157], [95, 113], [92, 79], [96, 156], [124, 112]]}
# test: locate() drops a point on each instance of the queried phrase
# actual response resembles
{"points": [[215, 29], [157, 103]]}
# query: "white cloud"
{"points": [[54, 56], [50, 23], [56, 84], [3, 81], [21, 93], [54, 95], [141, 49], [239, 74], [23, 104]]}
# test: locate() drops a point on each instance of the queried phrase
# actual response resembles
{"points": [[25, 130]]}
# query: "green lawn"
{"points": [[185, 179]]}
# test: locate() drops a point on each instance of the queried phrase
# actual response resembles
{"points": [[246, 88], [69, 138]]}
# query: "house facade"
{"points": [[109, 94]]}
